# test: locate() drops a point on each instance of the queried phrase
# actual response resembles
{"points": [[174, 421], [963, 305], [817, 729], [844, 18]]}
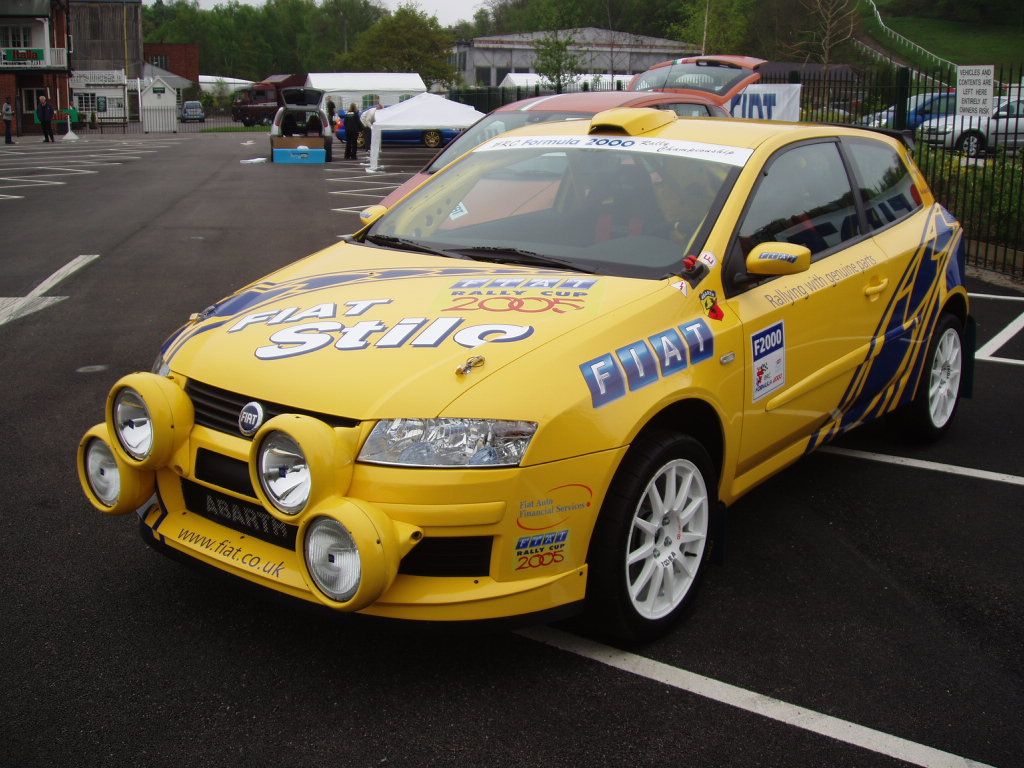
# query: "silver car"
{"points": [[976, 135]]}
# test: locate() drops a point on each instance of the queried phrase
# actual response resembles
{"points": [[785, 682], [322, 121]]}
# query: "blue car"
{"points": [[432, 137], [920, 108]]}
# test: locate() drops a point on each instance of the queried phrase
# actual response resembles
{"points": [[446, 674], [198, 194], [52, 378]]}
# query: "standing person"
{"points": [[368, 117], [44, 113], [330, 110], [8, 120], [353, 125]]}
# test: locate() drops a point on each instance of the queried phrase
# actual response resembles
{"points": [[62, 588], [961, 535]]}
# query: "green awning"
{"points": [[24, 8]]}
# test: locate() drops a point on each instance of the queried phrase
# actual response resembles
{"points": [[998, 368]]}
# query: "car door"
{"points": [[1007, 125], [806, 334]]}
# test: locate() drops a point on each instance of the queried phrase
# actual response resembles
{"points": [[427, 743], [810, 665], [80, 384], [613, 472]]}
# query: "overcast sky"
{"points": [[448, 12]]}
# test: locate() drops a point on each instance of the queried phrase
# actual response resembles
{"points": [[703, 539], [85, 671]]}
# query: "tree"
{"points": [[830, 23], [406, 41], [715, 26]]}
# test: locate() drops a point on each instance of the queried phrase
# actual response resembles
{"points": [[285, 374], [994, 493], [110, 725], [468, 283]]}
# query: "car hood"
{"points": [[365, 332]]}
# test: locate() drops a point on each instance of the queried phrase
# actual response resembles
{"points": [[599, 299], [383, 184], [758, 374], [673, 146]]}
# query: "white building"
{"points": [[486, 61], [365, 88]]}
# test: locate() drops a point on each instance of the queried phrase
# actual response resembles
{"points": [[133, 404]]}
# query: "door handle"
{"points": [[871, 290]]}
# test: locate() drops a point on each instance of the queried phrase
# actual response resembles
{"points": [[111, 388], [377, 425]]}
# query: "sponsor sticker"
{"points": [[458, 212], [541, 550], [707, 257], [709, 300], [769, 354], [719, 153], [682, 286]]}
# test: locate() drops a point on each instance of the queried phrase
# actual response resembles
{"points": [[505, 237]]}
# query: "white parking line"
{"points": [[949, 469], [997, 341], [19, 306], [749, 701]]}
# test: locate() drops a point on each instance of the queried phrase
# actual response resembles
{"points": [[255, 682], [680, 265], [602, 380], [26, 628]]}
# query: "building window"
{"points": [[85, 102], [369, 100], [158, 60], [483, 76], [15, 36]]}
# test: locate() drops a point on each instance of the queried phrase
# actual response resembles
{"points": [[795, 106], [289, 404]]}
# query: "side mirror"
{"points": [[369, 215], [778, 259]]}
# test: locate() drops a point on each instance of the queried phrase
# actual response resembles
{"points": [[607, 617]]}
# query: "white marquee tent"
{"points": [[423, 112]]}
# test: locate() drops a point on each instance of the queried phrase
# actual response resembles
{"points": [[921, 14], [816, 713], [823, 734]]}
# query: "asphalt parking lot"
{"points": [[868, 611]]}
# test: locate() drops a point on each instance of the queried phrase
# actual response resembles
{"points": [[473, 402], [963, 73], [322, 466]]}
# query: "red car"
{"points": [[563, 106], [719, 77]]}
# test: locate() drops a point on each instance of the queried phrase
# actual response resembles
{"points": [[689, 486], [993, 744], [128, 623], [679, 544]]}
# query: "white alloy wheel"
{"points": [[667, 538], [944, 377]]}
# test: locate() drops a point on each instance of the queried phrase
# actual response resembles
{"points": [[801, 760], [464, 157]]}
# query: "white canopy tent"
{"points": [[423, 112]]}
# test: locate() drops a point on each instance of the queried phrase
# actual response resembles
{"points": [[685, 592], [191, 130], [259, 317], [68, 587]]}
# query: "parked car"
{"points": [[565, 106], [920, 107], [431, 138], [192, 111], [532, 385], [302, 116], [721, 77], [974, 136]]}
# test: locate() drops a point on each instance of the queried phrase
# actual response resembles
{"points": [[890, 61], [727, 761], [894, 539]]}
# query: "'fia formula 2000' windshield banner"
{"points": [[718, 153]]}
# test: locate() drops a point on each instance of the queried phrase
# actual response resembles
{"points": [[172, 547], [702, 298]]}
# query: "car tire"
{"points": [[971, 144], [931, 412], [648, 552], [432, 139]]}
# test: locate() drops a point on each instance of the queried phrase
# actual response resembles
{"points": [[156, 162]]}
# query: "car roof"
{"points": [[747, 134], [598, 101]]}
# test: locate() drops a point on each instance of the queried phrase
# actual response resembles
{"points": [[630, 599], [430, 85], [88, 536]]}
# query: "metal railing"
{"points": [[34, 58], [974, 166]]}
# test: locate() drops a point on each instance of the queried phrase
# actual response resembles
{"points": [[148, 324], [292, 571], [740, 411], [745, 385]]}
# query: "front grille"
{"points": [[449, 556], [218, 409], [250, 519]]}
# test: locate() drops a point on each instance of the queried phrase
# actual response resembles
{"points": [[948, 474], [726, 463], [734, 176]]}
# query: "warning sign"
{"points": [[974, 91]]}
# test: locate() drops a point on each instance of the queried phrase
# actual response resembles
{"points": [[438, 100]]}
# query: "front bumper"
{"points": [[464, 544]]}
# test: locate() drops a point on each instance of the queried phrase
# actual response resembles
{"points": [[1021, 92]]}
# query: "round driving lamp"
{"points": [[332, 559], [283, 473], [111, 484], [149, 417], [102, 473], [133, 426]]}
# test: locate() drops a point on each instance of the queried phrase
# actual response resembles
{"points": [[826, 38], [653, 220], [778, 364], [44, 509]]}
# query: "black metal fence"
{"points": [[975, 166]]}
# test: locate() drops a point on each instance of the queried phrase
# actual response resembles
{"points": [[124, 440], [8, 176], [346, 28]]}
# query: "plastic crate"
{"points": [[300, 156]]}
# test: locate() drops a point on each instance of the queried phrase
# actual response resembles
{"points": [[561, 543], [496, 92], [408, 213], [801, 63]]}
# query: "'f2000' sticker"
{"points": [[768, 348], [646, 361]]}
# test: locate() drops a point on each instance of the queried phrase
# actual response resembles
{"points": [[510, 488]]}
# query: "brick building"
{"points": [[180, 58], [33, 57]]}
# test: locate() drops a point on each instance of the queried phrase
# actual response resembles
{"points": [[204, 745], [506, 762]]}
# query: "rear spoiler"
{"points": [[905, 137]]}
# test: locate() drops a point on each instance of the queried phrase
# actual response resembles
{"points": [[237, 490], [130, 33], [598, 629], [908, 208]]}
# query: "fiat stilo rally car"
{"points": [[531, 386]]}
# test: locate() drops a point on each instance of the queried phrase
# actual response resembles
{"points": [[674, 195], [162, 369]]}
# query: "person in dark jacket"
{"points": [[353, 126], [44, 113]]}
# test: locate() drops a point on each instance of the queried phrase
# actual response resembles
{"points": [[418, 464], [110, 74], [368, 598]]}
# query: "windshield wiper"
{"points": [[505, 255], [388, 241]]}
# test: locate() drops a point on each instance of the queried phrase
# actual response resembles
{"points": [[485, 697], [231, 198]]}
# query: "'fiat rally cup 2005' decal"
{"points": [[888, 379], [648, 360]]}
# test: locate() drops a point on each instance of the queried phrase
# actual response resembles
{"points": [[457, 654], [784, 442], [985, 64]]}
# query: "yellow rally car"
{"points": [[532, 385]]}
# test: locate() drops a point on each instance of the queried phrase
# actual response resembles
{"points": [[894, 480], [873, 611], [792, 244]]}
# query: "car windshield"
{"points": [[605, 205], [491, 126], [709, 76]]}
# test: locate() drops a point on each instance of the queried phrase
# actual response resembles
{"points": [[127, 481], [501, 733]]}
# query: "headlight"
{"points": [[448, 442], [332, 558], [102, 473], [283, 473], [133, 424]]}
